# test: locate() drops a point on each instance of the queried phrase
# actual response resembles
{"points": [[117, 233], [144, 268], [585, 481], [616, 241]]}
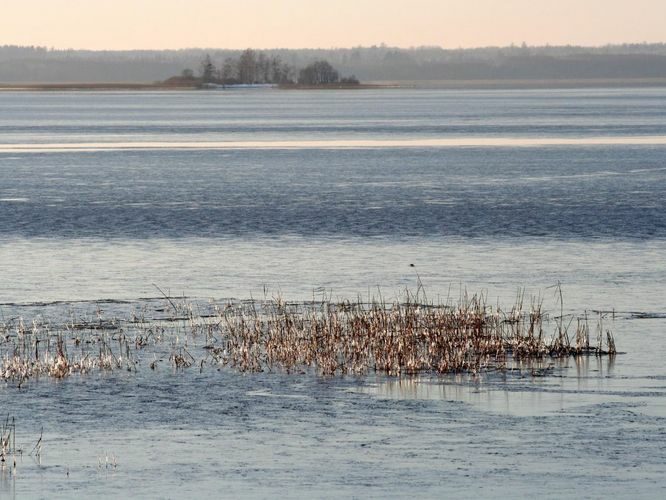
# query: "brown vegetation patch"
{"points": [[328, 338]]}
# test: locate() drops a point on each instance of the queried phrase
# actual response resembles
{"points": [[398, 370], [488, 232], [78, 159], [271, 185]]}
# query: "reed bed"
{"points": [[401, 338], [329, 338]]}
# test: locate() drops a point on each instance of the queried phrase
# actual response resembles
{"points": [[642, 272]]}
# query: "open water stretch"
{"points": [[220, 195]]}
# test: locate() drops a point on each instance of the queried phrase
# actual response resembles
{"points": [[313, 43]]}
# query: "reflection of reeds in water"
{"points": [[407, 337], [8, 443]]}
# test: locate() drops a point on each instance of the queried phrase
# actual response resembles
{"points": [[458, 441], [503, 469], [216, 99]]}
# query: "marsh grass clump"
{"points": [[400, 338], [43, 350], [330, 338]]}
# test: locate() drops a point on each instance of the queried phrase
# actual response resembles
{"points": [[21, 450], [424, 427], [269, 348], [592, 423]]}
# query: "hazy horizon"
{"points": [[336, 48], [298, 24]]}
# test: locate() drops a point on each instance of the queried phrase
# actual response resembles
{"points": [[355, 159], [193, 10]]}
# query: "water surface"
{"points": [[215, 195]]}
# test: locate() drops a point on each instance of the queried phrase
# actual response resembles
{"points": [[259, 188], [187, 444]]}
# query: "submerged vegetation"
{"points": [[401, 338]]}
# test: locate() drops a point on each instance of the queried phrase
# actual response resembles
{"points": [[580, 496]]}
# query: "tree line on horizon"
{"points": [[375, 63], [255, 67]]}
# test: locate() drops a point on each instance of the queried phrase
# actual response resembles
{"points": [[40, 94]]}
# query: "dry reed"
{"points": [[400, 338]]}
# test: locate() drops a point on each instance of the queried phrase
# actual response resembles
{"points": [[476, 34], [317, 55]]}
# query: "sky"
{"points": [[237, 24]]}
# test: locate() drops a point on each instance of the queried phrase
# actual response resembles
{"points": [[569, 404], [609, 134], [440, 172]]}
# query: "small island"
{"points": [[253, 69]]}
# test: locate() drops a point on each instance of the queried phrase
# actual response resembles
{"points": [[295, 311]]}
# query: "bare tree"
{"points": [[229, 70], [207, 70], [276, 69], [247, 67], [263, 68], [280, 72], [288, 73]]}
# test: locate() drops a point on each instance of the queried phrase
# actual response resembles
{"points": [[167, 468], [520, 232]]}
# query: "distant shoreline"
{"points": [[425, 84], [90, 86], [534, 84], [166, 86], [339, 86]]}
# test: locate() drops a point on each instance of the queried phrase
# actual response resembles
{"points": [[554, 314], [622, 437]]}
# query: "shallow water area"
{"points": [[257, 433], [306, 436], [110, 201]]}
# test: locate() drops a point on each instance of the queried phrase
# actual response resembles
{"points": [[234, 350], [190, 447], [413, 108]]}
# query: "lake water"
{"points": [[239, 194]]}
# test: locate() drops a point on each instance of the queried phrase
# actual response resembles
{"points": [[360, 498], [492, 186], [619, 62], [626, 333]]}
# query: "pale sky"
{"points": [[162, 24]]}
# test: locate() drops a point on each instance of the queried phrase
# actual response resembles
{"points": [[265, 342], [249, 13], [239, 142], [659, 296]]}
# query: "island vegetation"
{"points": [[256, 68]]}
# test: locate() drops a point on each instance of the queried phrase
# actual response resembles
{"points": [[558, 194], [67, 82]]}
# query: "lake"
{"points": [[108, 199]]}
